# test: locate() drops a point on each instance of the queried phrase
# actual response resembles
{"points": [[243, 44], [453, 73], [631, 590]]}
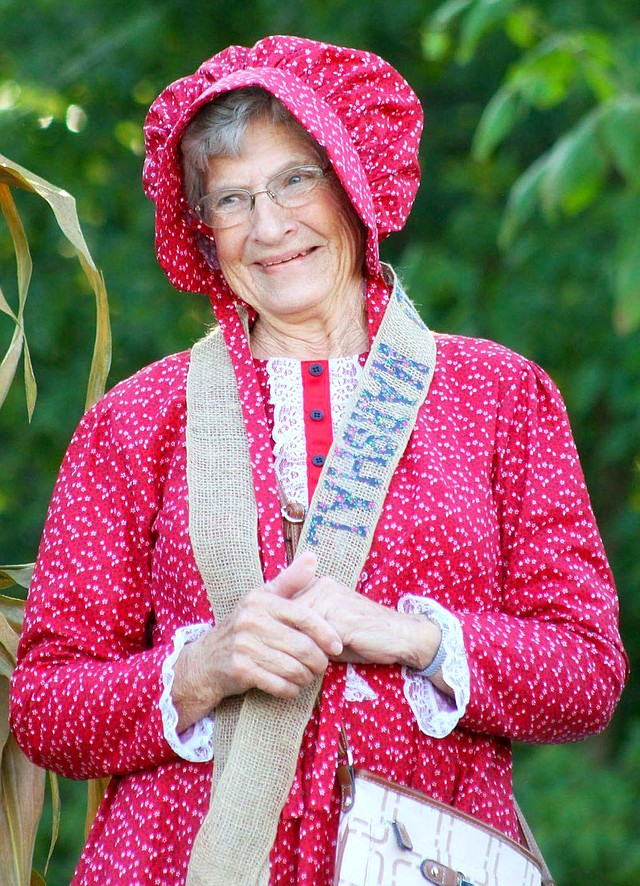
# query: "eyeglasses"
{"points": [[290, 189]]}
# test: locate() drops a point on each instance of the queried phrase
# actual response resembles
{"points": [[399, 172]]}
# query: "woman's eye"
{"points": [[229, 200], [295, 178]]}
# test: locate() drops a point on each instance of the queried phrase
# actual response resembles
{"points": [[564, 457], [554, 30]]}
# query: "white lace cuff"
{"points": [[195, 743], [437, 714]]}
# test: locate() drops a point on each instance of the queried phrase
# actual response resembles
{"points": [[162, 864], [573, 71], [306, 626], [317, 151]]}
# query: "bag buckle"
{"points": [[441, 875]]}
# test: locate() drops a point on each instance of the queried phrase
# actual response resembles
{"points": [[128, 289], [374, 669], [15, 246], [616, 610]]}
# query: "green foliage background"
{"points": [[541, 96]]}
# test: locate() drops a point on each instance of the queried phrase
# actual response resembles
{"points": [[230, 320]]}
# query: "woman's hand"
{"points": [[371, 632], [274, 640]]}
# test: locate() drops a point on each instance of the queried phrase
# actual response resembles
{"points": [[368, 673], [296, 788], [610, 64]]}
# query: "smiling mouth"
{"points": [[287, 259]]}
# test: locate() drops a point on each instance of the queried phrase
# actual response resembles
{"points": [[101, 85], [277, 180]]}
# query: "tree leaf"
{"points": [[627, 288], [598, 63], [522, 26], [575, 170], [30, 386], [101, 360], [524, 197], [435, 45], [5, 307], [620, 132], [545, 75], [497, 121], [481, 18], [444, 15]]}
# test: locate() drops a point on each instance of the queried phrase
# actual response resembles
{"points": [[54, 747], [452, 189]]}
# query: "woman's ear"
{"points": [[208, 248]]}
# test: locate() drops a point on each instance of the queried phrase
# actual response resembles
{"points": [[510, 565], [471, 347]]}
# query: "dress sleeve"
{"points": [[438, 714], [550, 666], [86, 689]]}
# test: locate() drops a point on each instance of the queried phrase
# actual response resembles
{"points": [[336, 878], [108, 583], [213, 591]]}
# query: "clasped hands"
{"points": [[281, 636]]}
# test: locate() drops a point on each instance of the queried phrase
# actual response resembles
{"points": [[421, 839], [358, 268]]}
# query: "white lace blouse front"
{"points": [[435, 712]]}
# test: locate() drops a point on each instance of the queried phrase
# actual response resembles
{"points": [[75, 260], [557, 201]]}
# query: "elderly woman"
{"points": [[449, 591]]}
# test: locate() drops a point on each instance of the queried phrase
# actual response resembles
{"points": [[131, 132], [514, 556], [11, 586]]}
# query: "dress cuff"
{"points": [[195, 743], [437, 714]]}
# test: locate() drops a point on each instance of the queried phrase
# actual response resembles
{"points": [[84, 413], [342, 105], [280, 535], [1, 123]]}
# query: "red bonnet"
{"points": [[356, 106]]}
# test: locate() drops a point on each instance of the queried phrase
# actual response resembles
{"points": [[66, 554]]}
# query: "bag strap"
{"points": [[532, 845]]}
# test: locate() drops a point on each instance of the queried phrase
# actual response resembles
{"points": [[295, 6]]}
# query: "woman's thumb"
{"points": [[295, 577]]}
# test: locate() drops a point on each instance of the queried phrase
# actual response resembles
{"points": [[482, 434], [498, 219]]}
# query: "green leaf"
{"points": [[435, 45], [523, 201], [481, 18], [627, 284], [598, 60], [545, 76], [497, 121], [620, 132], [444, 15], [575, 170], [522, 26]]}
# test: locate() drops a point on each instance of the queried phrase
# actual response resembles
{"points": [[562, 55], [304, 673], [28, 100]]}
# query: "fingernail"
{"points": [[336, 647]]}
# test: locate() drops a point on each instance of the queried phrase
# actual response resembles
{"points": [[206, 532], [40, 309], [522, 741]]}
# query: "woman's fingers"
{"points": [[290, 626], [272, 643], [274, 670], [295, 577]]}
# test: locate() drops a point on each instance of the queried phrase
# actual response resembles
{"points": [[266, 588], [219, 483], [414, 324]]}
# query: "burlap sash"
{"points": [[257, 737]]}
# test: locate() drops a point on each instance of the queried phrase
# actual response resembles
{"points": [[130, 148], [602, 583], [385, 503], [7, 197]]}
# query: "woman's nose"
{"points": [[269, 220]]}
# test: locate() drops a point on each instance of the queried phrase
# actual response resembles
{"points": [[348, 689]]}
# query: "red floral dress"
{"points": [[487, 514]]}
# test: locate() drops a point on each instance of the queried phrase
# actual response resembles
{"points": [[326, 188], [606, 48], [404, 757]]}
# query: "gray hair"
{"points": [[218, 128]]}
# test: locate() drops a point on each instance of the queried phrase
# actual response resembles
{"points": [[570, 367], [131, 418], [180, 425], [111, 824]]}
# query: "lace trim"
{"points": [[344, 373], [436, 713], [286, 396], [289, 449], [195, 743], [356, 687]]}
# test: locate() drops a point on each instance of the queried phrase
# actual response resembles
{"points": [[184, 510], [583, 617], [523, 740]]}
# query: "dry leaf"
{"points": [[64, 209], [21, 799]]}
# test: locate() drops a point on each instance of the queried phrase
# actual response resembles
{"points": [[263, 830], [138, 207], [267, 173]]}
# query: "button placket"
{"points": [[317, 411]]}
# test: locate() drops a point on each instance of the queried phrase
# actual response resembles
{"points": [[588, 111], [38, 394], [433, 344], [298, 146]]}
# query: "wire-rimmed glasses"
{"points": [[290, 189]]}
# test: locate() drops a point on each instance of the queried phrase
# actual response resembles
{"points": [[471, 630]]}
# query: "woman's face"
{"points": [[291, 265]]}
